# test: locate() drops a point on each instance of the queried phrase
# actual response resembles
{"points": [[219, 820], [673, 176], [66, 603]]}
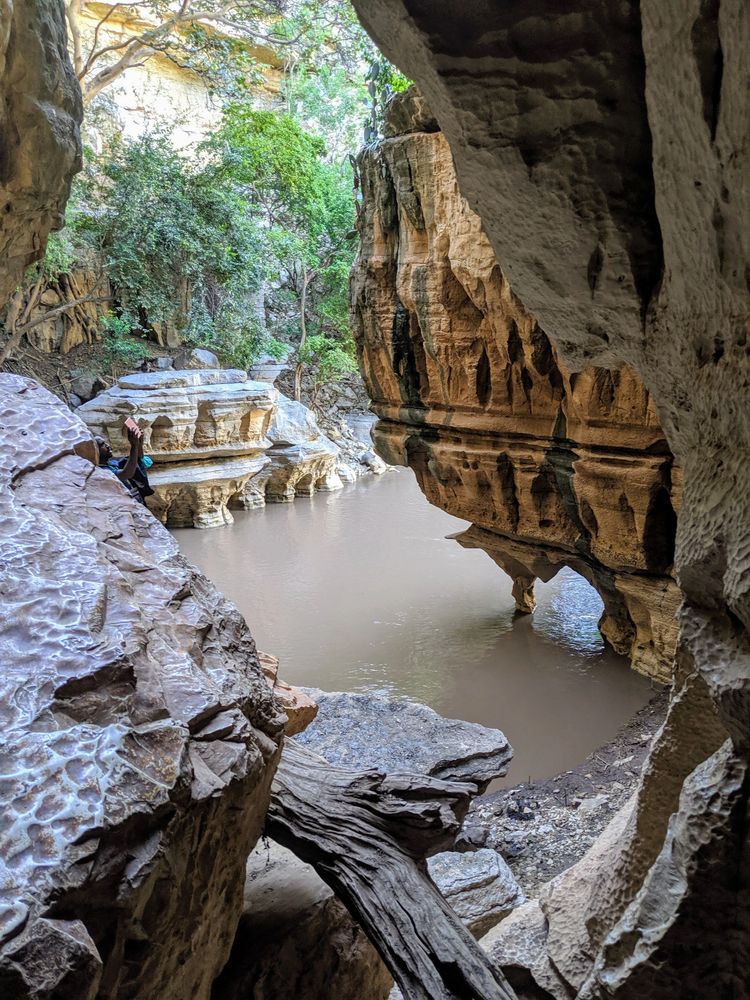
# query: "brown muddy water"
{"points": [[361, 591]]}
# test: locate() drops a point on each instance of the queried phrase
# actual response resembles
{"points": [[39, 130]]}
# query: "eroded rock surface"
{"points": [[553, 468], [218, 440], [606, 150], [39, 118], [138, 737], [360, 731]]}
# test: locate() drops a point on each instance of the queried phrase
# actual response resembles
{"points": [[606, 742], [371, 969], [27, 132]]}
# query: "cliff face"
{"points": [[605, 148], [39, 142], [552, 468], [139, 735]]}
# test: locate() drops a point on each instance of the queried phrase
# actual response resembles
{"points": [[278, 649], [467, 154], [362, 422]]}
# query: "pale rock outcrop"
{"points": [[218, 441], [139, 736], [365, 730], [606, 152], [554, 469], [40, 116], [478, 885], [303, 460], [296, 939]]}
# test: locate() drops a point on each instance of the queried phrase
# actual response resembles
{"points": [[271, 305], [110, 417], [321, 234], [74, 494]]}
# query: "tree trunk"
{"points": [[367, 835], [303, 334]]}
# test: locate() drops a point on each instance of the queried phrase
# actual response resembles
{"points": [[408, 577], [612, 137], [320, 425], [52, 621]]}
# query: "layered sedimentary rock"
{"points": [[605, 148], [139, 735], [553, 468], [218, 441], [39, 118]]}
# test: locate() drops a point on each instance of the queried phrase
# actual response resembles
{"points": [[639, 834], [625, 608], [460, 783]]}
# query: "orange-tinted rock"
{"points": [[553, 468], [300, 709]]}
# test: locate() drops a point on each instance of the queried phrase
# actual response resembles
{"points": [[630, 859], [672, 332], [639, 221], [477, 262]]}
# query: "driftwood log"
{"points": [[367, 835]]}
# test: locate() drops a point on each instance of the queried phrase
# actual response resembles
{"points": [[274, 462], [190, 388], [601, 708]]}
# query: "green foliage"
{"points": [[328, 358], [179, 246], [120, 348]]}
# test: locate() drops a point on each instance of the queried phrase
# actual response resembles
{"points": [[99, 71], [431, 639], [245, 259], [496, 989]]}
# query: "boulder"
{"points": [[139, 736], [364, 730], [478, 885], [302, 459], [295, 939], [196, 357]]}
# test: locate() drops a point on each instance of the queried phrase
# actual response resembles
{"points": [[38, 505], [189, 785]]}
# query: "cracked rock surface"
{"points": [[360, 731], [138, 739]]}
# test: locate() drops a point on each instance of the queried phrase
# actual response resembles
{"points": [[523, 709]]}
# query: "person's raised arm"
{"points": [[128, 470]]}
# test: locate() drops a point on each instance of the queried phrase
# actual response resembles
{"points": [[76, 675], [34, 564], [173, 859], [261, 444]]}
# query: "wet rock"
{"points": [[478, 885], [364, 730], [139, 736], [295, 939]]}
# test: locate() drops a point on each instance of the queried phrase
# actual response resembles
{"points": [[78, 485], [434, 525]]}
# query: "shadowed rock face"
{"points": [[40, 147], [605, 147], [552, 468], [138, 736]]}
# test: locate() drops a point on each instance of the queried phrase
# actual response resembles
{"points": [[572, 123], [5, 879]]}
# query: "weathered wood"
{"points": [[367, 835]]}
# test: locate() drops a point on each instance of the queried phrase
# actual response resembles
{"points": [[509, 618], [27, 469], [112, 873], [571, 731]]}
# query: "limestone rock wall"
{"points": [[605, 147], [553, 468], [139, 735], [218, 440], [39, 140]]}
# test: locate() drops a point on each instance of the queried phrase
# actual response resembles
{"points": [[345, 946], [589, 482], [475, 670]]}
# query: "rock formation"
{"points": [[605, 148], [218, 441], [139, 736], [553, 468], [39, 118], [366, 731]]}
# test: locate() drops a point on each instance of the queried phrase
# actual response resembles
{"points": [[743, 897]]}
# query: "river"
{"points": [[360, 590]]}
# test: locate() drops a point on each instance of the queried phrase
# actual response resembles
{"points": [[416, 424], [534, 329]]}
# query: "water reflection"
{"points": [[361, 590]]}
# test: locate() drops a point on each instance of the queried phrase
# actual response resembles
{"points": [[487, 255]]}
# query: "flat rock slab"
{"points": [[361, 731]]}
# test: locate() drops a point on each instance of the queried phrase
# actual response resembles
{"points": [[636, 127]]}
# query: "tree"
{"points": [[212, 37], [308, 206]]}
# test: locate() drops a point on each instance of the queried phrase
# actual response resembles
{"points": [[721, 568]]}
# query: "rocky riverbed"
{"points": [[543, 827]]}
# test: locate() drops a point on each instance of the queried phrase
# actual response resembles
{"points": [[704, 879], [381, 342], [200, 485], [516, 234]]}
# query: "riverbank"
{"points": [[543, 827]]}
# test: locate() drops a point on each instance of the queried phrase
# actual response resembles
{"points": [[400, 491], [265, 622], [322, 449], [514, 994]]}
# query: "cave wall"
{"points": [[40, 148], [138, 735], [552, 468], [605, 147]]}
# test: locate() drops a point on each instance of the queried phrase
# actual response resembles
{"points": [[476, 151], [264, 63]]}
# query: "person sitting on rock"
{"points": [[133, 470]]}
